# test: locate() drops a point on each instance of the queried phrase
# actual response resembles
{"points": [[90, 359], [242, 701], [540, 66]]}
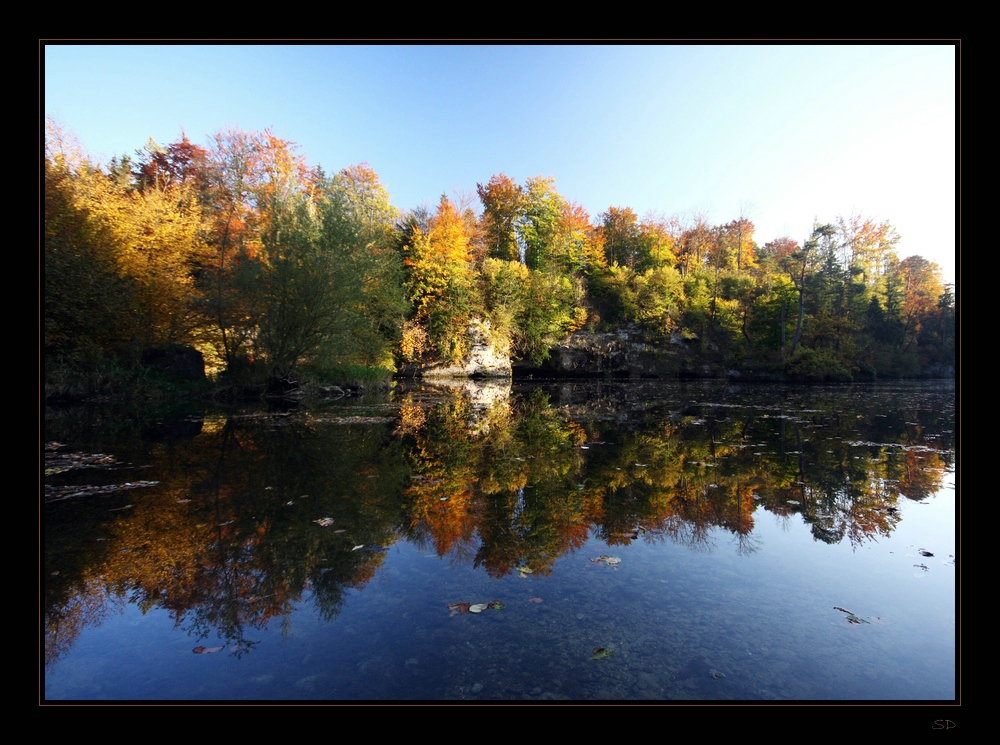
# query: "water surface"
{"points": [[672, 542]]}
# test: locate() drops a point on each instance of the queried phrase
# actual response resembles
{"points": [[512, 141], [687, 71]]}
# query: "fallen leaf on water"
{"points": [[324, 522], [925, 552], [609, 560], [534, 600], [206, 650], [601, 653], [716, 674], [457, 608]]}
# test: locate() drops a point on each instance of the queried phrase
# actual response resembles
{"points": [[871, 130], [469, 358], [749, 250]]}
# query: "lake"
{"points": [[541, 541]]}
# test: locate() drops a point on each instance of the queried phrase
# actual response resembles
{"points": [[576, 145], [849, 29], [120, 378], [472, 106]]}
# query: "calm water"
{"points": [[674, 542]]}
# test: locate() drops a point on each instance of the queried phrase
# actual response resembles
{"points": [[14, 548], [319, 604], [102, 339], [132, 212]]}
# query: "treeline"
{"points": [[274, 269]]}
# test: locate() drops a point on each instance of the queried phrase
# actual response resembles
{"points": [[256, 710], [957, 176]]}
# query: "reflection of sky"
{"points": [[760, 609], [765, 619], [789, 133]]}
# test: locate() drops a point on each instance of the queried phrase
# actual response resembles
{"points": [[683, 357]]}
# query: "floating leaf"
{"points": [[925, 552], [855, 619], [601, 653], [524, 570], [716, 674], [609, 560], [457, 608], [324, 522], [206, 650], [534, 600], [495, 605], [478, 607]]}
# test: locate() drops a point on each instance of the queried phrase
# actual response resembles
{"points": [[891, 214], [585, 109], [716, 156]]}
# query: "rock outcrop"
{"points": [[484, 359], [621, 353]]}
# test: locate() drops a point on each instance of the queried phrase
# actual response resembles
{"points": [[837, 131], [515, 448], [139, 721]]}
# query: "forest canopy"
{"points": [[273, 268]]}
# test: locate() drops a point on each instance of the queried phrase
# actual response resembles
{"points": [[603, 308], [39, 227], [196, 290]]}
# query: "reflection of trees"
{"points": [[228, 542], [84, 604], [526, 493]]}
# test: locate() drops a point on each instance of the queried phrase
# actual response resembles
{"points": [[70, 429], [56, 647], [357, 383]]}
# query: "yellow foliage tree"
{"points": [[157, 239], [440, 280]]}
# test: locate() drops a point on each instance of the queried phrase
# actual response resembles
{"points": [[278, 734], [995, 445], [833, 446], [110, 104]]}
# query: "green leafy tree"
{"points": [[359, 228], [503, 209], [622, 246], [543, 208]]}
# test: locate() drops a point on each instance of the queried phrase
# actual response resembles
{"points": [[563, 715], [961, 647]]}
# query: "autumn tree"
{"points": [[503, 205], [249, 173], [440, 281], [922, 290], [693, 246], [150, 238], [87, 300], [657, 240], [180, 162], [620, 226], [578, 246], [157, 234]]}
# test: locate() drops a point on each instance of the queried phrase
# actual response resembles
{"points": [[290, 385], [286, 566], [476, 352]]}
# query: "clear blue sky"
{"points": [[788, 133]]}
